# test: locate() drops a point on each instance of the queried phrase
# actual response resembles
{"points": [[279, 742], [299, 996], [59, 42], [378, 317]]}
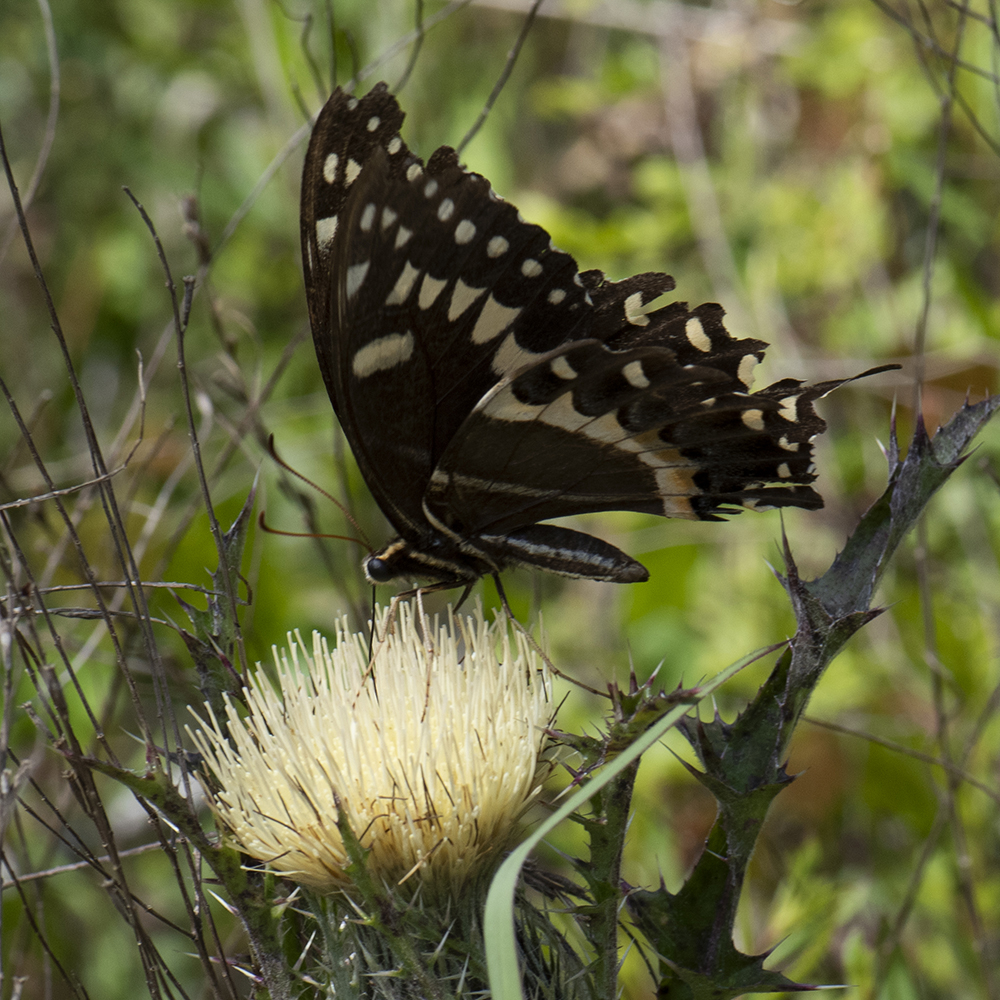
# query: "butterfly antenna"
{"points": [[273, 452], [504, 76], [264, 526]]}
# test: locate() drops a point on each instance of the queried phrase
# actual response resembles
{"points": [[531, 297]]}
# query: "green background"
{"points": [[816, 168]]}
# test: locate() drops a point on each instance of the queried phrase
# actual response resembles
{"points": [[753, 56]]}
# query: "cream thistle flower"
{"points": [[433, 751]]}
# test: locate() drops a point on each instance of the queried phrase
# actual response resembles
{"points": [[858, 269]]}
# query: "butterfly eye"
{"points": [[377, 570]]}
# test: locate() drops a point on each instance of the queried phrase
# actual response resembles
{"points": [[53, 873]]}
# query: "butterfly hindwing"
{"points": [[592, 428]]}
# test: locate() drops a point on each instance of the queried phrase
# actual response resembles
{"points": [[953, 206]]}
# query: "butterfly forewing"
{"points": [[415, 293], [484, 385]]}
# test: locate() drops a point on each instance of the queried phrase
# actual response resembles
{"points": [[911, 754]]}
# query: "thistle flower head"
{"points": [[433, 751]]}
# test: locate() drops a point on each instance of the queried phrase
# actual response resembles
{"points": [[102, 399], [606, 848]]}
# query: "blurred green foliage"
{"points": [[821, 131]]}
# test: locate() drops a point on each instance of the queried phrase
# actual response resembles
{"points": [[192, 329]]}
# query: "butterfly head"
{"points": [[429, 561], [378, 569]]}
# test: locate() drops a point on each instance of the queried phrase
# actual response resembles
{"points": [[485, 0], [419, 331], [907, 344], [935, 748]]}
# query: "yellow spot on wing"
{"points": [[383, 354], [404, 283], [635, 375], [696, 335], [632, 306], [430, 289], [493, 320], [461, 298], [326, 229], [330, 168]]}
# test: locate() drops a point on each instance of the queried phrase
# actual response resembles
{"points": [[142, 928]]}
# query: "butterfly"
{"points": [[485, 385]]}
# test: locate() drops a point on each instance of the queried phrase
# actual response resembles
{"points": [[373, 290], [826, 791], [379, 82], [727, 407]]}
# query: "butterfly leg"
{"points": [[425, 625], [418, 593], [535, 644], [502, 594], [464, 597]]}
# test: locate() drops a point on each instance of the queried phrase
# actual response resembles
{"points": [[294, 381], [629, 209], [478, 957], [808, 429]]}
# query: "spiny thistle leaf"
{"points": [[849, 584], [692, 933], [744, 761]]}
